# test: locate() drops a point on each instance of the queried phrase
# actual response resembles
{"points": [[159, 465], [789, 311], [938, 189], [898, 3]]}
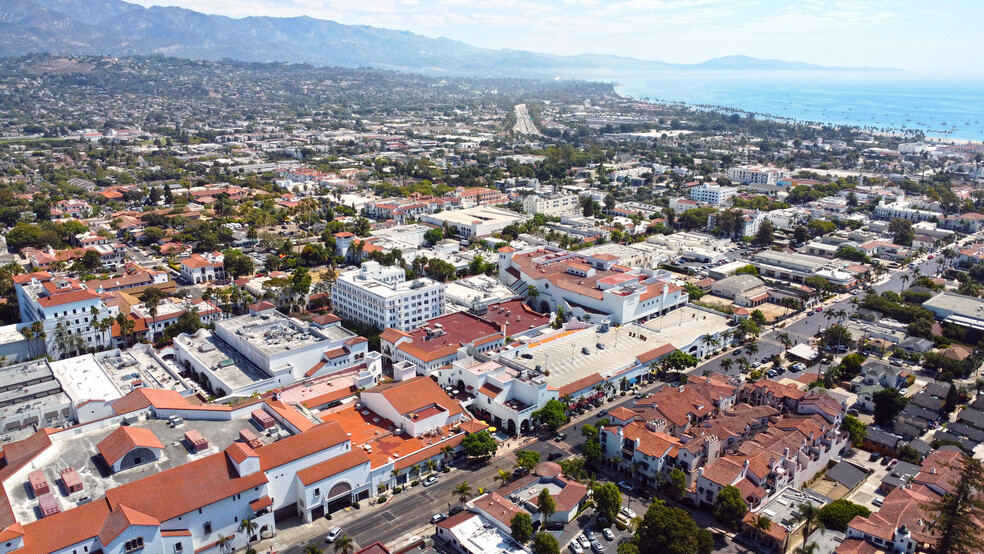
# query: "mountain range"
{"points": [[115, 27]]}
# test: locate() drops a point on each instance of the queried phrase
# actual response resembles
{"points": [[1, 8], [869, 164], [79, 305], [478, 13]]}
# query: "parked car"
{"points": [[333, 534], [627, 513], [877, 502], [430, 480], [736, 352], [874, 457], [603, 413], [597, 547], [560, 437], [438, 518], [600, 346], [584, 350], [626, 486], [607, 533], [554, 455], [455, 511], [528, 356], [583, 541], [904, 391], [575, 547]]}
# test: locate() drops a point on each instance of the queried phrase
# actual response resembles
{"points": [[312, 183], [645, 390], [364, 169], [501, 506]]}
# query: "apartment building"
{"points": [[552, 204], [761, 175], [713, 194], [66, 308], [381, 296]]}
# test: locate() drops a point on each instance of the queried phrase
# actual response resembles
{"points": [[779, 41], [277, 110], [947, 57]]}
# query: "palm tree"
{"points": [[344, 544], [753, 348], [395, 474], [415, 470], [248, 527], [726, 364], [312, 549], [503, 476], [532, 293], [447, 452], [742, 363], [809, 515], [151, 299], [811, 548], [223, 543], [462, 491], [763, 523], [431, 465], [785, 341], [904, 279]]}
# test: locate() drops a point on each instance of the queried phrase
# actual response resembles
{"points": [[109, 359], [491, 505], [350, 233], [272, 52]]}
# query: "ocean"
{"points": [[878, 101]]}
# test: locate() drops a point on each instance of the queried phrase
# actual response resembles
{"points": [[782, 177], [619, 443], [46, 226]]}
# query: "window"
{"points": [[178, 548], [135, 544], [208, 527]]}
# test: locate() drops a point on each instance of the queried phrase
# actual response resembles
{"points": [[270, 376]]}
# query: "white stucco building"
{"points": [[382, 297]]}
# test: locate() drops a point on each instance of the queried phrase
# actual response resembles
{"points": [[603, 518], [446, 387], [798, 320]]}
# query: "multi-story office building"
{"points": [[67, 310], [712, 193], [382, 297], [760, 175]]}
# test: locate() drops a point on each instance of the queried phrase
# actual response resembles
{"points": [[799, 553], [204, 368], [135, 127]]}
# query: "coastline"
{"points": [[916, 109]]}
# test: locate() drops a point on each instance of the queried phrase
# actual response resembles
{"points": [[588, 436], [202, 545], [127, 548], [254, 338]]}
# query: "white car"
{"points": [[628, 513], [583, 541], [607, 533], [333, 534], [576, 547]]}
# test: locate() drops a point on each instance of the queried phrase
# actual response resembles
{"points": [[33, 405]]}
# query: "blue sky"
{"points": [[939, 36]]}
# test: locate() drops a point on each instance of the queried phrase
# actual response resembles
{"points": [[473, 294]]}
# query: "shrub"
{"points": [[356, 505], [380, 500], [446, 469], [397, 490], [414, 483]]}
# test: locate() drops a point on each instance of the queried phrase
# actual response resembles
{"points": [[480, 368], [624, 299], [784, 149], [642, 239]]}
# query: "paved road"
{"points": [[802, 328], [524, 123]]}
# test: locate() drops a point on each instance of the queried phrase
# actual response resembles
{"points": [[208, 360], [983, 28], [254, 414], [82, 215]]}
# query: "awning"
{"points": [[260, 503]]}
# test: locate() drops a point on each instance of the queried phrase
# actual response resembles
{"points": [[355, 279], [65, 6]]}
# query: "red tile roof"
{"points": [[301, 445], [333, 466], [415, 394], [125, 439]]}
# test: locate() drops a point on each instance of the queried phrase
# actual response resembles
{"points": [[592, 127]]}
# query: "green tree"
{"points": [[91, 260], [343, 544], [545, 543], [608, 500], [856, 429], [527, 460], [888, 404], [434, 236], [801, 234], [809, 515], [480, 445], [766, 233], [521, 526], [671, 530], [901, 231], [553, 414], [758, 317], [592, 451], [839, 513], [463, 491], [678, 483], [747, 270], [730, 507], [958, 513], [546, 504]]}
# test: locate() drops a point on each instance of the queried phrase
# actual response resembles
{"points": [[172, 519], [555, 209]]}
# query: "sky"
{"points": [[933, 36]]}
